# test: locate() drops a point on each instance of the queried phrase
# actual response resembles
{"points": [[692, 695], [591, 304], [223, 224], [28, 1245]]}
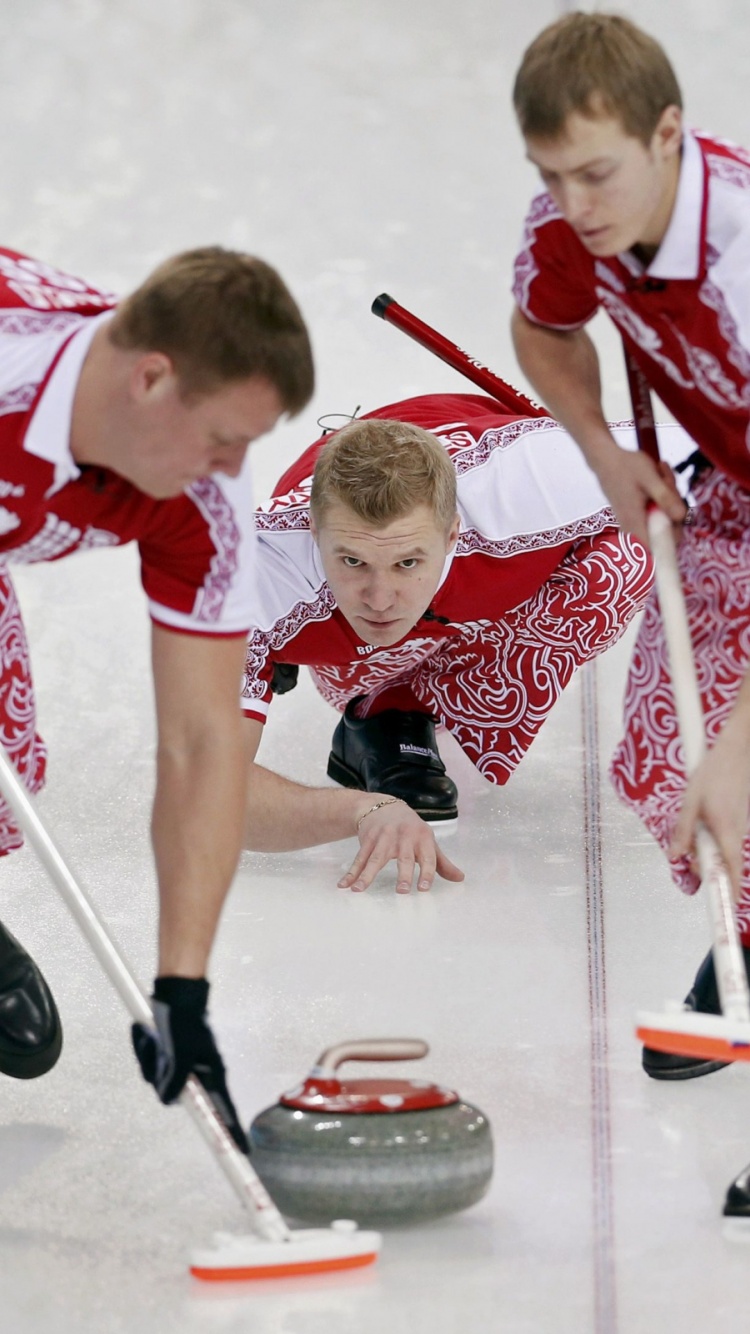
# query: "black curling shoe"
{"points": [[737, 1202], [30, 1028], [396, 753], [703, 997]]}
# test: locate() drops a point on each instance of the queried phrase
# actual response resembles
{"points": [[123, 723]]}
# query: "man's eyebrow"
{"points": [[584, 166], [344, 549]]}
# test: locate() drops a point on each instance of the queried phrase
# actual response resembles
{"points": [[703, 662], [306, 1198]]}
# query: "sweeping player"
{"points": [[651, 222], [447, 560], [132, 424]]}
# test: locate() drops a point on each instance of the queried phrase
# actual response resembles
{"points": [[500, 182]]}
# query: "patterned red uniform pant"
{"points": [[648, 768], [493, 684], [17, 711]]}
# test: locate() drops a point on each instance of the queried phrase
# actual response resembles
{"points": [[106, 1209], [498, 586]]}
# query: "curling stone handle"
{"points": [[368, 1049]]}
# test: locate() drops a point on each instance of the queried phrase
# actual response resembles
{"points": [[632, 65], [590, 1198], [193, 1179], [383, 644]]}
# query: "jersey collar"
{"points": [[48, 432], [448, 565], [681, 253]]}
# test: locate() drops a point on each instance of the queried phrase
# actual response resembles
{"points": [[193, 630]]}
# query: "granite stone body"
{"points": [[381, 1168]]}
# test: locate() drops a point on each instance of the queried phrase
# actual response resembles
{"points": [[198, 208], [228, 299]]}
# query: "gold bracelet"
{"points": [[387, 801]]}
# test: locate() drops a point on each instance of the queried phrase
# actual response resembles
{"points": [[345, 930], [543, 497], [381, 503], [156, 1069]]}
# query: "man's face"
{"points": [[175, 439], [383, 579], [614, 191]]}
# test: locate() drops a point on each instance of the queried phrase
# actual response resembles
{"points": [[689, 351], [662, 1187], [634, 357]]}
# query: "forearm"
{"points": [[202, 763], [733, 742], [283, 815], [563, 367], [197, 825]]}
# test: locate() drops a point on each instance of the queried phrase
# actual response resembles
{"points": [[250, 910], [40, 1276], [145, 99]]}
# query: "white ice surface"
{"points": [[361, 147]]}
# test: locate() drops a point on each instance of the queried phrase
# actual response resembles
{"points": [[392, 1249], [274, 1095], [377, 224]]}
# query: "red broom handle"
{"points": [[390, 311], [643, 413]]}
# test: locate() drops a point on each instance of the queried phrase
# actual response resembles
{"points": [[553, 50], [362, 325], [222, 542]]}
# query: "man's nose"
{"points": [[378, 593], [574, 199], [230, 461]]}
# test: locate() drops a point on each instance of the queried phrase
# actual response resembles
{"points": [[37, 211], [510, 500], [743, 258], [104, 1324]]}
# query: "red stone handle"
{"points": [[367, 1049]]}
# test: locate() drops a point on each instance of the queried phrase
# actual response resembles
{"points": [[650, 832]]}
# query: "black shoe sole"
{"points": [[33, 1064], [703, 998], [664, 1065], [346, 777]]}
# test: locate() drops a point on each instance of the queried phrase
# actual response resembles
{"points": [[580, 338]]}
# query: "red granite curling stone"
{"points": [[376, 1150]]}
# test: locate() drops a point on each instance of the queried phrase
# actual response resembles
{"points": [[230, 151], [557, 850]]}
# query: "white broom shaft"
{"points": [[728, 957], [234, 1164], [245, 1181], [74, 896]]}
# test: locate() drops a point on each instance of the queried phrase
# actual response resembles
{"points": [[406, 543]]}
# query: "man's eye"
{"points": [[235, 442], [410, 563], [351, 562]]}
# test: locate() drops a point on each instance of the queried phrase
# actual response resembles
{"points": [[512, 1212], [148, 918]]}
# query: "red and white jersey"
{"points": [[686, 317], [196, 549], [525, 497]]}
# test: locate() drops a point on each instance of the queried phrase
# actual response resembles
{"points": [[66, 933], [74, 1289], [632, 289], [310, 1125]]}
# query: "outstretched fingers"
{"points": [[396, 833], [377, 853], [446, 869], [405, 863]]}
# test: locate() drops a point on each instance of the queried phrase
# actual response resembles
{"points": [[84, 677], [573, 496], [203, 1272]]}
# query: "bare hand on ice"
{"points": [[396, 833]]}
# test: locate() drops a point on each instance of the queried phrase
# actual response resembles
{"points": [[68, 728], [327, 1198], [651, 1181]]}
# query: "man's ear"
{"points": [[453, 532], [151, 376], [668, 132]]}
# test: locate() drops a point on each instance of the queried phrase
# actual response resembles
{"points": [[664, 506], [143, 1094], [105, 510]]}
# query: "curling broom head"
{"points": [[684, 1032], [308, 1251]]}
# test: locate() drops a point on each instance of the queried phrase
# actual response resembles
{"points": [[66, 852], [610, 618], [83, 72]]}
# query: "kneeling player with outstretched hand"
{"points": [[449, 560]]}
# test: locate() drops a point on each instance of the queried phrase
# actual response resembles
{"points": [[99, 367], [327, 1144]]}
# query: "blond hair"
{"points": [[382, 470], [220, 316], [593, 64]]}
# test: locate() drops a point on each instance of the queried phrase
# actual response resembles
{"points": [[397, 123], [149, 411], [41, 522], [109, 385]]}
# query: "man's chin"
{"points": [[157, 490], [383, 636], [604, 246]]}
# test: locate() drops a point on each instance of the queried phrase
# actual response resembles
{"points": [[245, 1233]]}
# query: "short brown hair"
{"points": [[220, 315], [593, 64], [383, 470]]}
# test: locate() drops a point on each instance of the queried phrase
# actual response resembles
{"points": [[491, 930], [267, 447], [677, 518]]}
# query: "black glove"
{"points": [[182, 1044]]}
